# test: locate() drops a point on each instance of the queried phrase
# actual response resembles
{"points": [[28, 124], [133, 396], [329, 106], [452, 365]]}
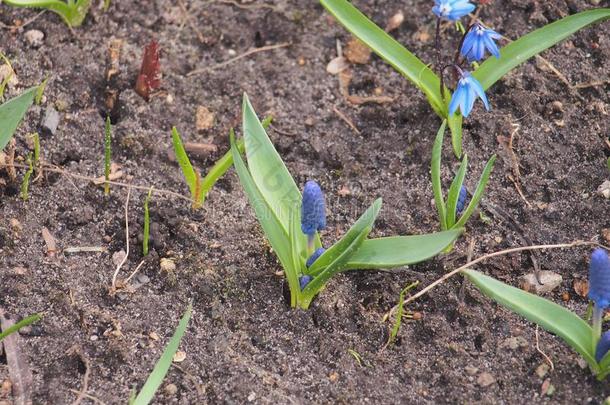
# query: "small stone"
{"points": [[542, 370], [117, 257], [153, 336], [251, 397], [471, 370], [606, 234], [309, 122], [204, 118], [565, 296], [93, 338], [337, 65], [301, 61], [20, 271], [167, 265], [179, 356], [333, 377], [15, 225], [344, 191], [35, 38], [61, 105], [50, 121], [604, 189], [395, 21], [582, 363], [171, 389], [485, 379], [514, 342], [549, 279]]}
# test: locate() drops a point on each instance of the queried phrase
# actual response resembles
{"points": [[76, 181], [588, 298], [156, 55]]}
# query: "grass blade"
{"points": [[535, 42], [435, 172], [396, 251], [185, 163], [146, 231], [298, 262], [454, 192], [478, 193], [162, 367], [12, 112], [399, 311], [550, 316], [107, 154], [23, 323]]}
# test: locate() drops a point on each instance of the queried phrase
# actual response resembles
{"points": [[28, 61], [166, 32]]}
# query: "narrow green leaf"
{"points": [[185, 163], [21, 324], [107, 154], [146, 231], [604, 364], [550, 316], [390, 50], [399, 311], [478, 193], [293, 272], [40, 91], [162, 367], [535, 42], [12, 112], [455, 126], [217, 171], [366, 220], [319, 281], [25, 184], [396, 251], [454, 192], [276, 234], [269, 172], [435, 172]]}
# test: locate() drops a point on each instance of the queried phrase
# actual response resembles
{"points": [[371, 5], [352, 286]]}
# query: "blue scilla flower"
{"points": [[477, 40], [303, 281], [603, 346], [313, 213], [452, 10], [467, 91], [314, 256], [599, 278], [461, 202]]}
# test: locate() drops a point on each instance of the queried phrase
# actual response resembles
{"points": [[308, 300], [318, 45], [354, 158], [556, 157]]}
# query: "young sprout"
{"points": [[146, 231], [149, 78], [107, 155], [291, 222], [73, 12]]}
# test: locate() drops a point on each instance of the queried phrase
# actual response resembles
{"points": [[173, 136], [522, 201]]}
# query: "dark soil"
{"points": [[244, 343]]}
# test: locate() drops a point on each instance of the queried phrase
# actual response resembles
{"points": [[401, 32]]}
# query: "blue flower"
{"points": [[303, 281], [314, 256], [468, 89], [599, 278], [313, 213], [461, 202], [477, 40], [452, 10], [603, 346]]}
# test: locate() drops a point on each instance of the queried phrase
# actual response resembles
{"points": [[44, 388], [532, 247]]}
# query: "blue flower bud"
{"points": [[303, 281], [467, 91], [599, 278], [314, 256], [477, 40], [313, 213], [461, 202], [603, 346], [452, 10]]}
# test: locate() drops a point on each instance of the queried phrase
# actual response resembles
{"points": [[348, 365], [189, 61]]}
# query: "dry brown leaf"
{"points": [[581, 287], [357, 52], [49, 240]]}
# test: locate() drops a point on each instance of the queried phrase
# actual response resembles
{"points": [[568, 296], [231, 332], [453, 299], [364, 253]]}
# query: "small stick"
{"points": [[346, 120], [116, 272], [238, 57]]}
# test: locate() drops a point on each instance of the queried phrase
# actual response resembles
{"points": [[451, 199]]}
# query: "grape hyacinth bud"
{"points": [[313, 213], [314, 256], [461, 202], [303, 281], [452, 10], [467, 91], [599, 278], [477, 40], [603, 346]]}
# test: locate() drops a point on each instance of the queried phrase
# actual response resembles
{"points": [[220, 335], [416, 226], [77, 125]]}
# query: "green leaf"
{"points": [[390, 50], [146, 231], [185, 163], [268, 171], [435, 173], [162, 367], [396, 251], [21, 324], [293, 272], [550, 316], [276, 234], [455, 126], [73, 13], [478, 193], [217, 171], [535, 42], [366, 220], [12, 112], [454, 192]]}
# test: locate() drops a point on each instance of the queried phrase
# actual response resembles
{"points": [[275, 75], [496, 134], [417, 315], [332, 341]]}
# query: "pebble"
{"points": [[251, 396], [35, 38], [179, 356], [171, 389], [549, 279], [204, 118], [20, 271], [542, 370], [471, 370], [117, 257], [604, 189], [50, 121], [485, 379], [167, 265], [93, 338], [515, 342], [15, 225]]}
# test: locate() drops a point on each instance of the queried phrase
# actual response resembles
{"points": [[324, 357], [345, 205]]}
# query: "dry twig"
{"points": [[346, 120], [547, 358]]}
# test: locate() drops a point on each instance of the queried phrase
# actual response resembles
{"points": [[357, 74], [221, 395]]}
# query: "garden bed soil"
{"points": [[244, 344]]}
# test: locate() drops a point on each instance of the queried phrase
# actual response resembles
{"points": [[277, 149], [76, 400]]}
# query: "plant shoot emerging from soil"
{"points": [[291, 222], [149, 78]]}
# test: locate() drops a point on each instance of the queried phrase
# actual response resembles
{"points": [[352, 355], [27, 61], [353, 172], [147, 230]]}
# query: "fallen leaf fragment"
{"points": [[49, 240], [357, 52], [337, 65], [179, 356]]}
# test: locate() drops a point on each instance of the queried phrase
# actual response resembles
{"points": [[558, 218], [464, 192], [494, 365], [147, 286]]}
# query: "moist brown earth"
{"points": [[244, 343]]}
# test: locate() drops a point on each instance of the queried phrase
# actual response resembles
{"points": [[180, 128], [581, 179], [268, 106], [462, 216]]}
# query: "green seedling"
{"points": [[156, 377], [73, 12], [8, 77], [146, 223], [399, 312], [21, 324], [107, 155], [33, 161], [277, 202], [40, 92]]}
